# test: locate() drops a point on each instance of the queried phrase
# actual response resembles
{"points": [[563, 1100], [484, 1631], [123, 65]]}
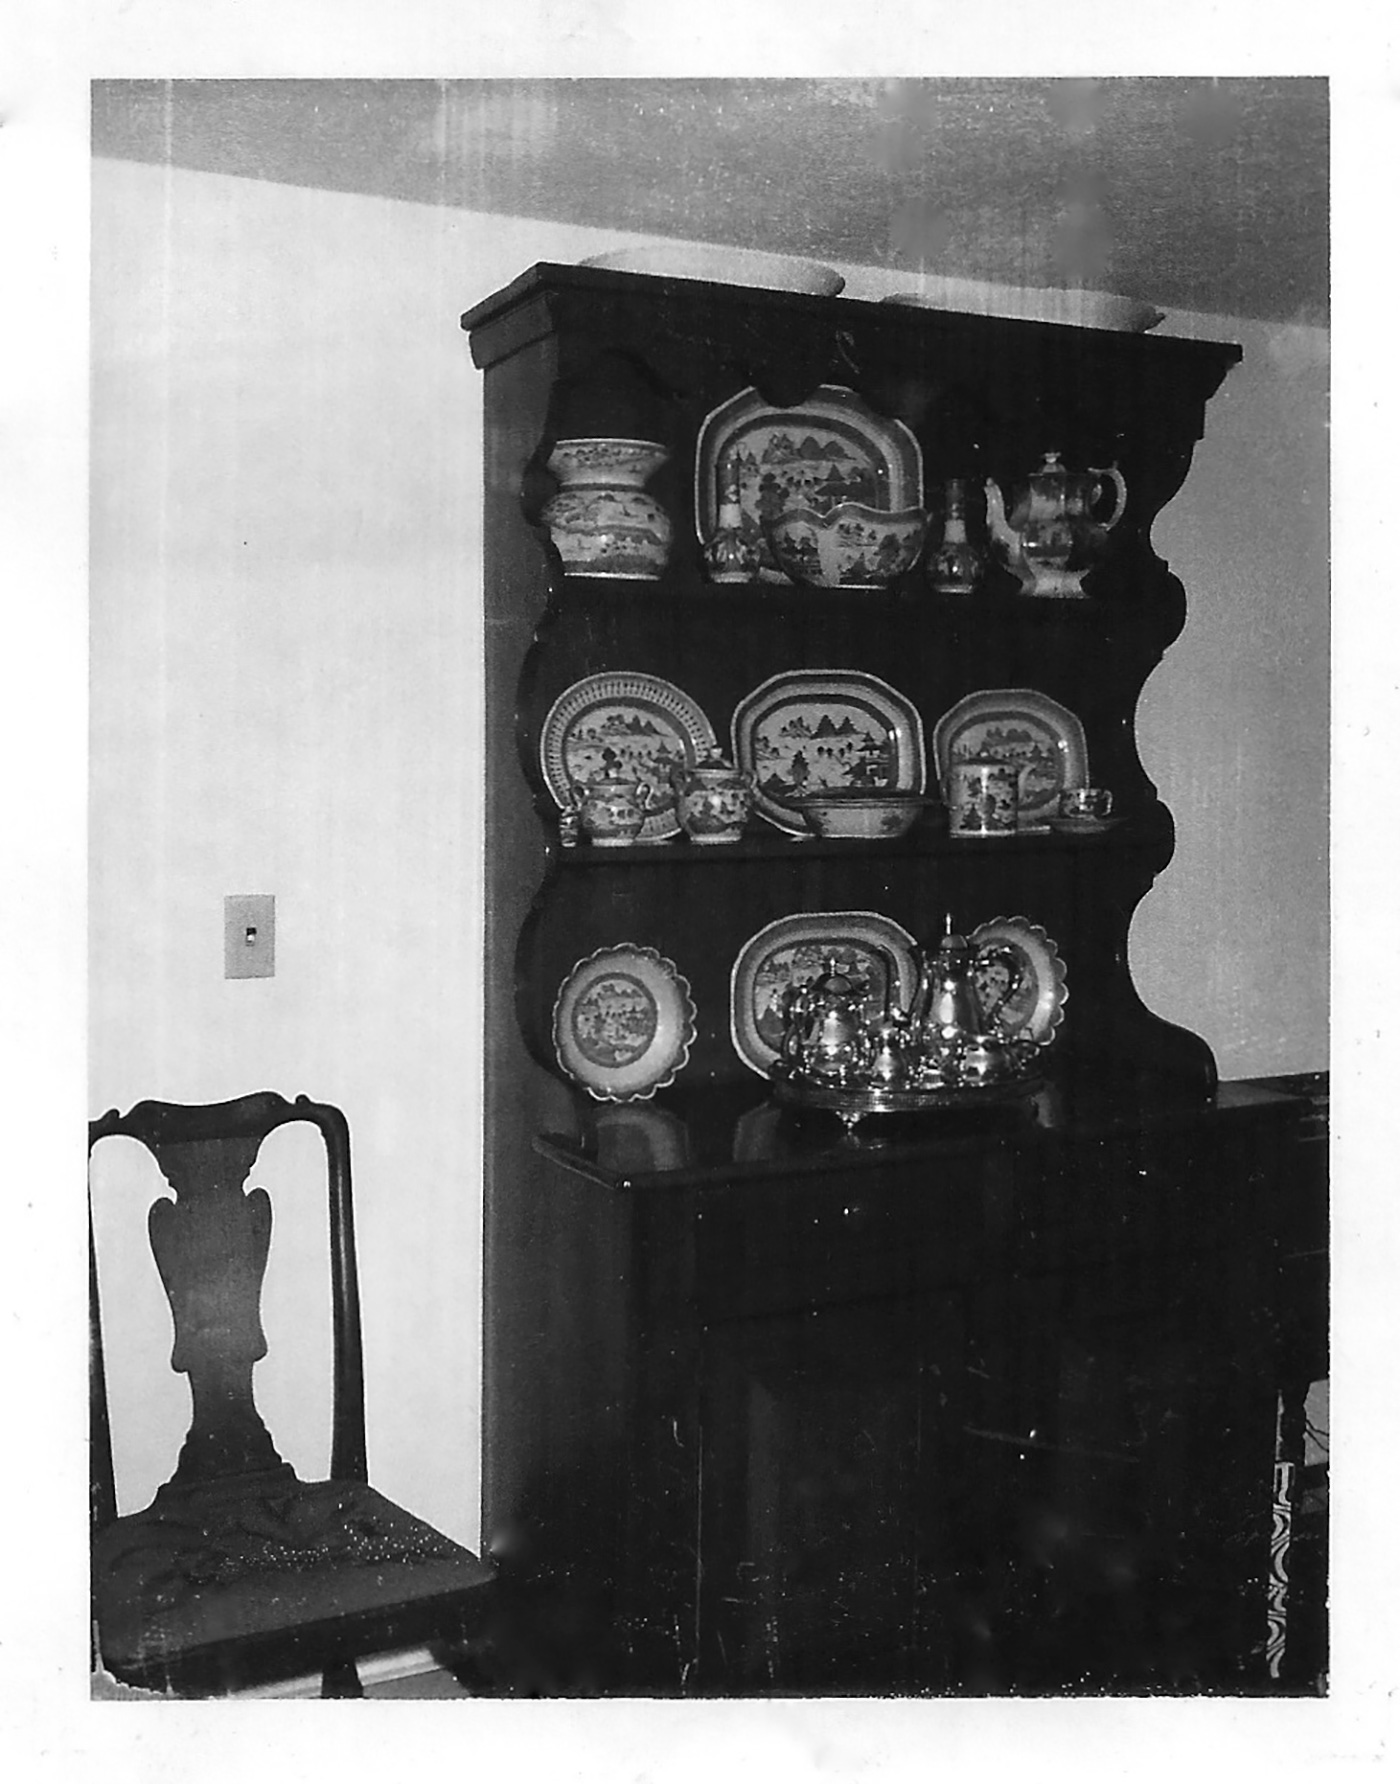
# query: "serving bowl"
{"points": [[860, 813], [1072, 308], [723, 266], [850, 545]]}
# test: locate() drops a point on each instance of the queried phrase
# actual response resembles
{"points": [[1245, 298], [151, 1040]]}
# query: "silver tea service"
{"points": [[945, 1048]]}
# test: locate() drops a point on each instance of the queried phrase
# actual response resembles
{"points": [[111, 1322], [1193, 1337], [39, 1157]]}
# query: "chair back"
{"points": [[211, 1246]]}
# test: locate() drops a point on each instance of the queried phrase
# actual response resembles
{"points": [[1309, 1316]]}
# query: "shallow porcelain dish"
{"points": [[1083, 826], [624, 1023], [1072, 309], [866, 817], [850, 546], [815, 730], [793, 950], [633, 725], [1036, 1008], [724, 266], [1023, 727], [831, 448]]}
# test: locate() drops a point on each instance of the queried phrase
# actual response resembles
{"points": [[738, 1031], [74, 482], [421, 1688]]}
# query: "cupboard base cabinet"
{"points": [[988, 1413], [978, 1401]]}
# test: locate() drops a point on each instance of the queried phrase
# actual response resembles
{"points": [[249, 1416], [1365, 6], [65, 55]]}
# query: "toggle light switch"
{"points": [[250, 929]]}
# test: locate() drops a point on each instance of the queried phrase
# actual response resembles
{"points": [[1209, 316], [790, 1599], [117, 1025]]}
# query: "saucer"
{"points": [[1082, 826]]}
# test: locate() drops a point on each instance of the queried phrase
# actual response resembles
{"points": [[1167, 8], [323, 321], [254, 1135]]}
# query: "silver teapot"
{"points": [[825, 1035], [959, 1041]]}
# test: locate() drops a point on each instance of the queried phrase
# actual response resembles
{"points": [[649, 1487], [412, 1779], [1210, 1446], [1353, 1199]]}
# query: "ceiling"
{"points": [[1194, 194]]}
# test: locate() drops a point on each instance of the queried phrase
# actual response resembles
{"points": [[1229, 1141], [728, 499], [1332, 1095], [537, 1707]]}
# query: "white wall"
{"points": [[285, 662], [1234, 726], [286, 445]]}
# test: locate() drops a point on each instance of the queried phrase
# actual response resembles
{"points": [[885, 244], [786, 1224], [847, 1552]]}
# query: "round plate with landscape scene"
{"points": [[1022, 727], [624, 1023], [822, 730], [831, 448], [636, 726]]}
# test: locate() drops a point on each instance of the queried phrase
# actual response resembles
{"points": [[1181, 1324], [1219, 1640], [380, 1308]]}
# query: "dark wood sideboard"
{"points": [[981, 1402]]}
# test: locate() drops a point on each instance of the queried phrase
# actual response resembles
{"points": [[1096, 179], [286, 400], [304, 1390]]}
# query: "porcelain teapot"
{"points": [[1052, 532], [713, 799]]}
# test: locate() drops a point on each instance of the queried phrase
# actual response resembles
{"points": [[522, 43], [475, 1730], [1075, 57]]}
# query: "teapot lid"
{"points": [[833, 982]]}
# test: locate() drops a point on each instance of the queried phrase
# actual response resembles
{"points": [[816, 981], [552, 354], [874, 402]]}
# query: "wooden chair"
{"points": [[238, 1573]]}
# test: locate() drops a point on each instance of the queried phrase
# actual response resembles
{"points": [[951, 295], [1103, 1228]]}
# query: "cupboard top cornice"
{"points": [[628, 308]]}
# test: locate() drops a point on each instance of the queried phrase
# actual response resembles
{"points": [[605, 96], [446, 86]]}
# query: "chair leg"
{"points": [[341, 1679]]}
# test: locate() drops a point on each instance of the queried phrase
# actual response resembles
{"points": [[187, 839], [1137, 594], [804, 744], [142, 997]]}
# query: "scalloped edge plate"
{"points": [[808, 686], [648, 693], [659, 995], [826, 931], [1038, 1016]]}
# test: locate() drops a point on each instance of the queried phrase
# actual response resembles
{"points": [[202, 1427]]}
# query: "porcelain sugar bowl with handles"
{"points": [[609, 810], [1055, 527]]}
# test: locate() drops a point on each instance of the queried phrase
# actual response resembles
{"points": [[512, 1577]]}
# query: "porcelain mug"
{"points": [[982, 798], [1086, 802]]}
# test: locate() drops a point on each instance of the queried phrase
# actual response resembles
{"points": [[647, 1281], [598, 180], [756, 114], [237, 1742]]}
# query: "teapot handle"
{"points": [[1016, 972], [1120, 493]]}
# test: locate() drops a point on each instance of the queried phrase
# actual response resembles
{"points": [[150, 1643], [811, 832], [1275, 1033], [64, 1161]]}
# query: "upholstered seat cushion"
{"points": [[261, 1555]]}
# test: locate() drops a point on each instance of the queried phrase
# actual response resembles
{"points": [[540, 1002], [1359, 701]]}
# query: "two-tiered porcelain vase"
{"points": [[602, 521]]}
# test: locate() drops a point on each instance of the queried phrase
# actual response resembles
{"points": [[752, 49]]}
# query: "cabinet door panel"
{"points": [[815, 1440]]}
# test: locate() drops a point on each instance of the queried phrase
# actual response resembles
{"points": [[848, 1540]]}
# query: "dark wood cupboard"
{"points": [[977, 1402]]}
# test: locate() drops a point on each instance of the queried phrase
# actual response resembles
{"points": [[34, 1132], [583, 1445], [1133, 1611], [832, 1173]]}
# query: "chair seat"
{"points": [[269, 1558]]}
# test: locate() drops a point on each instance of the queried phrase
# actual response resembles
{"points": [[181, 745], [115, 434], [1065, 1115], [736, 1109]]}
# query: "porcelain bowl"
{"points": [[724, 266], [860, 814], [850, 546]]}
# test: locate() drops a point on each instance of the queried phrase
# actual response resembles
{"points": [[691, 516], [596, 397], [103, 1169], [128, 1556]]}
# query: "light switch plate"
{"points": [[250, 932]]}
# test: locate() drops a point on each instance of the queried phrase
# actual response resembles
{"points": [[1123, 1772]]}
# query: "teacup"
{"points": [[1080, 803]]}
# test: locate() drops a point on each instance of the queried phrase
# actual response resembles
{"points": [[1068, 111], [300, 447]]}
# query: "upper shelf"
{"points": [[639, 356]]}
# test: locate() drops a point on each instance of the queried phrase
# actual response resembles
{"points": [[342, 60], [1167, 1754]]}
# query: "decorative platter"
{"points": [[1021, 726], [793, 950], [831, 448], [825, 729], [637, 726], [624, 1023], [1036, 1008], [723, 266]]}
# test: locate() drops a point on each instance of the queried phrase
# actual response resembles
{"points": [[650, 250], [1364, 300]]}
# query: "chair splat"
{"points": [[211, 1247]]}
